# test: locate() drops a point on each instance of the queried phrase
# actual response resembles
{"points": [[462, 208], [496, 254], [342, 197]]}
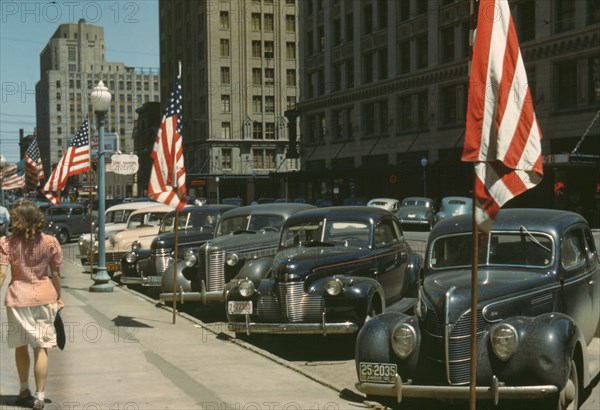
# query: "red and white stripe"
{"points": [[502, 133], [10, 178]]}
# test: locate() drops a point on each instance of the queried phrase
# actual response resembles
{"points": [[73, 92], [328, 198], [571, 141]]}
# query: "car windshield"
{"points": [[188, 221], [58, 211], [145, 219], [117, 217], [415, 202], [343, 232], [511, 249], [251, 223]]}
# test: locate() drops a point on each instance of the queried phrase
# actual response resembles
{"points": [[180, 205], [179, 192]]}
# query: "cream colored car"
{"points": [[142, 227]]}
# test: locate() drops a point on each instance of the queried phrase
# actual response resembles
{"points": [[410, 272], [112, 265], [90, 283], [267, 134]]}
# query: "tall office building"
{"points": [[384, 96], [71, 65], [239, 76]]}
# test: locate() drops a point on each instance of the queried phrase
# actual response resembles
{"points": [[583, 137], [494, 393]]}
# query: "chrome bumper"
{"points": [[144, 280], [203, 296], [494, 392], [293, 328]]}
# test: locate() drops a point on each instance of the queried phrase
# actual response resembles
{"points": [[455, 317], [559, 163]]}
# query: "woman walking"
{"points": [[32, 297]]}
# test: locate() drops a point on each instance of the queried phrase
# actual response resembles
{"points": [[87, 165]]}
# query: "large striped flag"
{"points": [[502, 135], [74, 161], [13, 176], [167, 178], [34, 168]]}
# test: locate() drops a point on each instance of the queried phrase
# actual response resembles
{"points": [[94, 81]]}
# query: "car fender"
{"points": [[412, 275], [546, 345], [59, 226], [255, 269], [358, 291], [373, 343], [186, 278]]}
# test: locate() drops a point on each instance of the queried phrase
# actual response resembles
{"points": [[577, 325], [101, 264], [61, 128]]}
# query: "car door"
{"points": [[577, 281], [391, 258], [76, 221]]}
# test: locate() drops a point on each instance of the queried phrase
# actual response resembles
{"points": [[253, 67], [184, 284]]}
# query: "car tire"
{"points": [[63, 236], [567, 398]]}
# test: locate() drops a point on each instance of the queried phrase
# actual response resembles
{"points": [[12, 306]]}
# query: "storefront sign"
{"points": [[123, 164]]}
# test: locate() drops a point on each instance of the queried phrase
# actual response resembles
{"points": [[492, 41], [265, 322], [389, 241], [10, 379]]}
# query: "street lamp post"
{"points": [[100, 99], [424, 163]]}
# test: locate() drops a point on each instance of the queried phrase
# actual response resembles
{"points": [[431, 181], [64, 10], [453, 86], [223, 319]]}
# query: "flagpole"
{"points": [[175, 254], [474, 267]]}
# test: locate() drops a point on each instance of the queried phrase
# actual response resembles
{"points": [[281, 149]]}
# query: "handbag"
{"points": [[59, 326]]}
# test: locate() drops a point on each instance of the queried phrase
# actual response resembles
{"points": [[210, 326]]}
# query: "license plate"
{"points": [[154, 280], [239, 308], [113, 266], [378, 372]]}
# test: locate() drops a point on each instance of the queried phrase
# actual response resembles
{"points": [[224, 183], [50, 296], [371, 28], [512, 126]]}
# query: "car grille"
{"points": [[161, 259], [215, 271], [145, 267], [458, 357], [112, 256], [291, 304]]}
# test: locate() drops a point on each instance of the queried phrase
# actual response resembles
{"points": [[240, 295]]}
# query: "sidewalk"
{"points": [[124, 353]]}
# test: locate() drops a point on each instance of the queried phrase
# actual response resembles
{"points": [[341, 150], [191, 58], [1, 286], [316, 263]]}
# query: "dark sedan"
{"points": [[336, 268], [195, 226], [416, 213], [537, 314]]}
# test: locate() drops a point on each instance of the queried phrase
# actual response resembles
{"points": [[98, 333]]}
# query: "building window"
{"points": [[225, 75], [309, 43], [268, 22], [422, 51], [368, 62], [421, 7], [256, 104], [405, 121], [224, 19], [291, 103], [269, 49], [290, 50], [224, 47], [256, 48], [349, 32], [526, 20], [337, 76], [72, 68], [270, 130], [269, 103], [256, 76], [226, 103], [255, 21], [423, 110], [290, 23], [226, 159], [72, 54], [404, 56], [368, 19], [368, 118], [290, 77], [257, 130], [337, 32], [594, 80], [226, 130], [269, 76], [349, 73], [447, 44], [382, 14], [382, 64], [566, 84], [453, 104], [593, 11], [564, 15], [59, 130]]}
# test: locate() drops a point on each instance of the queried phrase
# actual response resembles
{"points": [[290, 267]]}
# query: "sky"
{"points": [[130, 36]]}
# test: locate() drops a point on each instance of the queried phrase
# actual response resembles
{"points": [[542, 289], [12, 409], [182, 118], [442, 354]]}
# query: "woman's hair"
{"points": [[27, 221]]}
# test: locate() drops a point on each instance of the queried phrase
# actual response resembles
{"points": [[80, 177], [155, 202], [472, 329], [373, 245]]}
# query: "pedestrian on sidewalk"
{"points": [[4, 220], [32, 297]]}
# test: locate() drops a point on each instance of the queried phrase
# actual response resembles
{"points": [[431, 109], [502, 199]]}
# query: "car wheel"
{"points": [[567, 398], [63, 236]]}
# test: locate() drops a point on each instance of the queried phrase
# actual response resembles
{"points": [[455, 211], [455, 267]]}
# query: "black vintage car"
{"points": [[244, 234], [196, 225], [336, 268], [537, 313], [68, 221]]}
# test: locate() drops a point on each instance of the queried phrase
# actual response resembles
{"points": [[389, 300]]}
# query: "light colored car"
{"points": [[115, 220], [453, 206], [386, 203], [142, 226]]}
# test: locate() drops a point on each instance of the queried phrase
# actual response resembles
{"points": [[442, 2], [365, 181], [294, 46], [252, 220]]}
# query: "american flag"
{"points": [[167, 178], [74, 161], [34, 168], [13, 176], [502, 135]]}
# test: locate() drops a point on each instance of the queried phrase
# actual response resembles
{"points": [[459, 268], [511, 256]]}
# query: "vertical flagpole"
{"points": [[176, 244], [474, 268]]}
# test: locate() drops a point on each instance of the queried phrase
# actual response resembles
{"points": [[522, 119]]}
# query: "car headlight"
{"points": [[421, 306], [246, 288], [95, 247], [82, 241], [130, 257], [504, 339], [189, 258], [232, 259], [334, 286], [135, 245], [404, 340]]}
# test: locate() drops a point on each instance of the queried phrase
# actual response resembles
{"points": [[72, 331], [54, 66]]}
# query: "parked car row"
{"points": [[284, 268]]}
